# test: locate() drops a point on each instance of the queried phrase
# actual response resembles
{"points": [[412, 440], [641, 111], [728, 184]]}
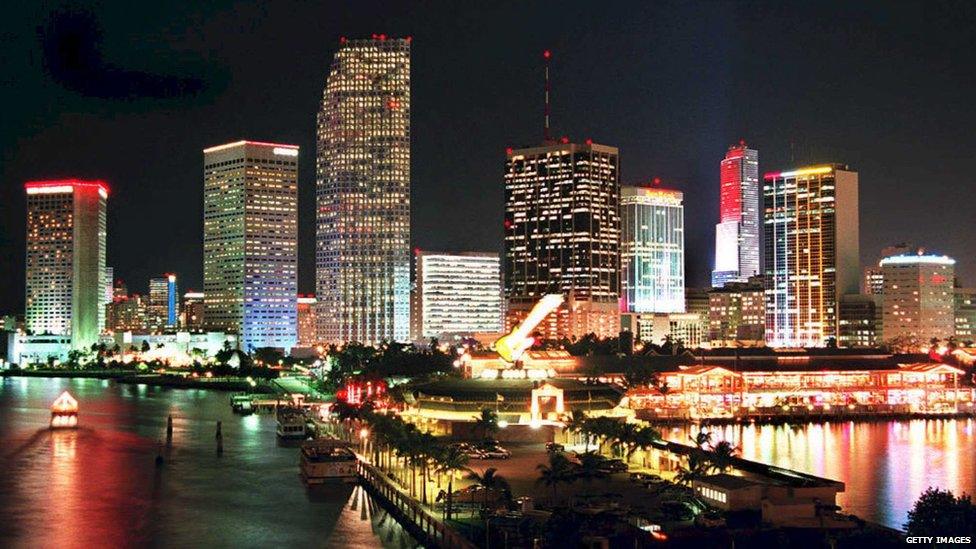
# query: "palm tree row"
{"points": [[709, 458], [623, 438]]}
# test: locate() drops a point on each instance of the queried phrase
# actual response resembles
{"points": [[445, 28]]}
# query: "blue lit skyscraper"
{"points": [[250, 242], [652, 250], [164, 301]]}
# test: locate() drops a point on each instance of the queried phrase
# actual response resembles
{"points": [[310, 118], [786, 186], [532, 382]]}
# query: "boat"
{"points": [[64, 412], [291, 424], [325, 459], [242, 404]]}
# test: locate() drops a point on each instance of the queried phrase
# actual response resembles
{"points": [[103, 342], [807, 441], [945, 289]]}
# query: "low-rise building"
{"points": [[859, 321], [737, 314]]}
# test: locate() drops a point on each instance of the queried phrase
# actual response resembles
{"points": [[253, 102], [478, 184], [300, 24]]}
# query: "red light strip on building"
{"points": [[50, 183]]}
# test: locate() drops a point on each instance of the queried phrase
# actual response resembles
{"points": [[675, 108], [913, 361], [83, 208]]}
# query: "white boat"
{"points": [[327, 459], [291, 424], [64, 412]]}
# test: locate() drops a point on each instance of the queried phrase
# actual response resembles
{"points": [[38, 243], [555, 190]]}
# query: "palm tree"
{"points": [[702, 439], [696, 469], [450, 461], [560, 469], [490, 480], [575, 422], [487, 422], [721, 455]]}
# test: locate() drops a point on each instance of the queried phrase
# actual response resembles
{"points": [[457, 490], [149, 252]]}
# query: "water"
{"points": [[885, 465], [99, 485]]}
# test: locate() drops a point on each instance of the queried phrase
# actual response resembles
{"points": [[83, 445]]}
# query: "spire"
{"points": [[546, 55]]}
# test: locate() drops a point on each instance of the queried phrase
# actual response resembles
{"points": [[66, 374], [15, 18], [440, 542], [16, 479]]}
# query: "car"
{"points": [[555, 447], [495, 452], [613, 466], [470, 451], [645, 478]]}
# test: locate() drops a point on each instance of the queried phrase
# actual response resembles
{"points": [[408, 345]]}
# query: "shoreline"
{"points": [[155, 380]]}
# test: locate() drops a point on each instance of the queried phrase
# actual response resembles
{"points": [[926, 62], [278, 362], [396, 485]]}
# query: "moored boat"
{"points": [[291, 424], [64, 412], [327, 459]]}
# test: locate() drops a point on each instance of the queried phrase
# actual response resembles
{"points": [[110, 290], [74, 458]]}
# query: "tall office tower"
{"points": [[811, 252], [652, 250], [191, 311], [873, 283], [250, 242], [562, 236], [965, 313], [737, 314], [306, 321], [66, 230], [456, 294], [919, 298], [163, 301], [362, 254], [737, 233]]}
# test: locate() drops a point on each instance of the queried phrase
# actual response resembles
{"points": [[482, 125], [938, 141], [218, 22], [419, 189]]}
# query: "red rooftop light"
{"points": [[589, 141], [82, 183], [656, 181], [547, 54]]}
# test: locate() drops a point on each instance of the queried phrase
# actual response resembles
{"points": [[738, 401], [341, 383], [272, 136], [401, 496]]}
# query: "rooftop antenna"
{"points": [[546, 55]]}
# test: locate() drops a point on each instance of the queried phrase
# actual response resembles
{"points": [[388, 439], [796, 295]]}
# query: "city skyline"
{"points": [[885, 178]]}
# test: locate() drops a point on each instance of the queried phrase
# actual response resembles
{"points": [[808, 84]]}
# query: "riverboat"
{"points": [[326, 459], [291, 424], [64, 412]]}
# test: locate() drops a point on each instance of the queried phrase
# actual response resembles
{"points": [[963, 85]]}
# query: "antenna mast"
{"points": [[545, 135]]}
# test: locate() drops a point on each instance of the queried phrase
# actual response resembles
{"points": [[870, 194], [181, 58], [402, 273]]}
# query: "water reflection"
{"points": [[99, 485], [885, 465]]}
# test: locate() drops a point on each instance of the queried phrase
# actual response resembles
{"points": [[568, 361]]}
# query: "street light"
{"points": [[363, 434]]}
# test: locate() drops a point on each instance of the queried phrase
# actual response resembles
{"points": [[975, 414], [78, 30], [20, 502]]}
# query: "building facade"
{"points": [[562, 236], [919, 298], [811, 252], [307, 325], [456, 294], [250, 242], [362, 255], [66, 229], [737, 233], [652, 250], [965, 312], [737, 314], [191, 311], [859, 320], [164, 301], [127, 314]]}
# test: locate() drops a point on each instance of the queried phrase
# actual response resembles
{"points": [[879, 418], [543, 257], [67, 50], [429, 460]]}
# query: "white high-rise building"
{"points": [[250, 242], [457, 293], [652, 250], [919, 298], [66, 228], [362, 254], [737, 233]]}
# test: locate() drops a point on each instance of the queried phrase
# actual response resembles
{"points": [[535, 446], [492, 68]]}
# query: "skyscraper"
{"points": [[811, 252], [250, 241], [362, 255], [652, 250], [106, 297], [737, 233], [457, 293], [306, 321], [66, 230], [191, 311], [919, 298], [562, 235], [163, 301]]}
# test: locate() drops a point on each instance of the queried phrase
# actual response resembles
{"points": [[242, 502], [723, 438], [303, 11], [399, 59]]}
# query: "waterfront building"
{"points": [[362, 255], [163, 301], [456, 294], [562, 236], [737, 233], [811, 252], [128, 314], [919, 298], [66, 228], [307, 325], [737, 314], [965, 313], [176, 348], [191, 311], [859, 320], [106, 297], [652, 250], [250, 242]]}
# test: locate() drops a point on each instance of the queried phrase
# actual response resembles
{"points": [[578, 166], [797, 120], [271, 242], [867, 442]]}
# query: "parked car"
{"points": [[645, 478], [469, 450], [495, 452], [613, 466], [555, 447]]}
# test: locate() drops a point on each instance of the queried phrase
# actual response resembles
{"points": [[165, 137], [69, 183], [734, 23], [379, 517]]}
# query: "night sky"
{"points": [[132, 96]]}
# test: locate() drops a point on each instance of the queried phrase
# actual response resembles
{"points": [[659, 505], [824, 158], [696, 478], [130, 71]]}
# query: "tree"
{"points": [[697, 468], [491, 480], [450, 461], [940, 513], [559, 470], [145, 345], [721, 455], [487, 422]]}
